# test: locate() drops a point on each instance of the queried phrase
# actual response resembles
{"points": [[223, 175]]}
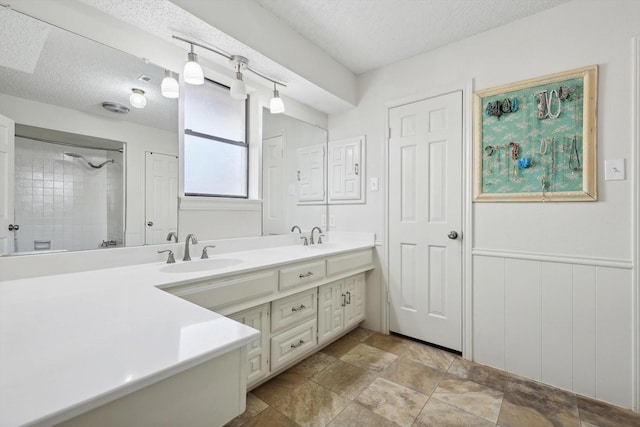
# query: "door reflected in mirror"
{"points": [[293, 174]]}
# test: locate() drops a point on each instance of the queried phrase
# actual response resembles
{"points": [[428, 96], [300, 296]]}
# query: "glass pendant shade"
{"points": [[137, 99], [193, 73], [169, 86], [238, 88], [276, 106]]}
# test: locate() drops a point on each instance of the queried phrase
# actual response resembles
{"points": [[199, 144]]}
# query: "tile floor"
{"points": [[371, 379]]}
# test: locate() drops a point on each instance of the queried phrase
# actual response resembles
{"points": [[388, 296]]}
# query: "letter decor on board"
{"points": [[535, 140]]}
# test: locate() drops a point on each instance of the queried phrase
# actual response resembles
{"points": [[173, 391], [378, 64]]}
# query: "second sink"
{"points": [[203, 265]]}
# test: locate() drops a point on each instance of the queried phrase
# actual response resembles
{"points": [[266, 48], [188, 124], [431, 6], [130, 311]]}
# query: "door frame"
{"points": [[635, 211], [467, 207]]}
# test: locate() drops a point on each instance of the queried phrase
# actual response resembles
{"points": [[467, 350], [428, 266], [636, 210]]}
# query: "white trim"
{"points": [[219, 204], [550, 257], [467, 215], [635, 211]]}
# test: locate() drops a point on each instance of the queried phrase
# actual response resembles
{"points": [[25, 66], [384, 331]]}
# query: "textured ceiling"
{"points": [[368, 34], [64, 69]]}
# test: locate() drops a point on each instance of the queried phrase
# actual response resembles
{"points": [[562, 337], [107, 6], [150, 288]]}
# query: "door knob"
{"points": [[150, 223], [14, 227], [453, 235]]}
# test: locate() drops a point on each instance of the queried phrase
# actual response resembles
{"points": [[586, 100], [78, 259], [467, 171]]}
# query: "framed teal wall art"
{"points": [[536, 140]]}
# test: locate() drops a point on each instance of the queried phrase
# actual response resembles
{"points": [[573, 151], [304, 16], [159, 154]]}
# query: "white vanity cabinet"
{"points": [[340, 306], [257, 351]]}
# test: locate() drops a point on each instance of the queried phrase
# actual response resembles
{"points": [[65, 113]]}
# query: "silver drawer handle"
{"points": [[307, 274], [348, 297], [300, 307], [344, 300], [298, 344]]}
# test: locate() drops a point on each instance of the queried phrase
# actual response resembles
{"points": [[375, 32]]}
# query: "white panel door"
{"points": [[273, 188], [425, 206], [346, 172], [310, 173], [7, 152], [161, 197]]}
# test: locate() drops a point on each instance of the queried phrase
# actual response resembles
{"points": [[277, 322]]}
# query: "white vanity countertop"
{"points": [[73, 342]]}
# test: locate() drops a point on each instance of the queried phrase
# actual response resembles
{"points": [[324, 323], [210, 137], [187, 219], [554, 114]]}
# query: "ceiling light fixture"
{"points": [[137, 98], [238, 88], [276, 106], [240, 63], [193, 73], [169, 86]]}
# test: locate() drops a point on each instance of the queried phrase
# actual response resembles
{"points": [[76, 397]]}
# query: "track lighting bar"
{"points": [[230, 58]]}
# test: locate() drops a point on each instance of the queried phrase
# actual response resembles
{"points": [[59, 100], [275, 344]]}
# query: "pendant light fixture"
{"points": [[276, 106], [193, 73], [238, 88], [169, 86], [137, 98]]}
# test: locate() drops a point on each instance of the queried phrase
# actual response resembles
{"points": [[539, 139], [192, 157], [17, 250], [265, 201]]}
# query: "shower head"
{"points": [[78, 156]]}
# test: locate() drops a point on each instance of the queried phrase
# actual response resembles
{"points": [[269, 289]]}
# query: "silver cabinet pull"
{"points": [[298, 175], [298, 308], [298, 344], [344, 300], [349, 297], [356, 168], [14, 227], [307, 274]]}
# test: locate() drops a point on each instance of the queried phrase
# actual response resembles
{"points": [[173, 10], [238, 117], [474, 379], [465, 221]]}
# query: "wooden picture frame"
{"points": [[536, 140]]}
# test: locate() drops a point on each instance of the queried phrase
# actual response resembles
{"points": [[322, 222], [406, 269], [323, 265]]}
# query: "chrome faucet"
{"points": [[319, 235], [173, 235], [190, 238], [294, 227]]}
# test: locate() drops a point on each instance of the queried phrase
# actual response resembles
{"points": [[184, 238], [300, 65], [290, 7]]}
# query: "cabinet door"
{"points": [[354, 292], [330, 311], [257, 351], [346, 171]]}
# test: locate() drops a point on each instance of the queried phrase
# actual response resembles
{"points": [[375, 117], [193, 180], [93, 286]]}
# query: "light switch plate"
{"points": [[614, 170], [373, 184]]}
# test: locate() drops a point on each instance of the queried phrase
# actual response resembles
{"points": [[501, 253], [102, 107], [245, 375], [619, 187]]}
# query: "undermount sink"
{"points": [[200, 265]]}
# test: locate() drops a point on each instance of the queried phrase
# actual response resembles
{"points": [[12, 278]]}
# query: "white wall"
{"points": [[596, 235], [138, 139]]}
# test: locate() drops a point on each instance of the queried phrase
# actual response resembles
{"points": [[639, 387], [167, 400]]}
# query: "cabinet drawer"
{"points": [[290, 311], [224, 292], [301, 273], [343, 263], [286, 346]]}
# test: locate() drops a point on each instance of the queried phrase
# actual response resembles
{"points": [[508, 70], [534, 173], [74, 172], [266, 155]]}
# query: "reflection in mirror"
{"points": [[293, 174], [53, 85]]}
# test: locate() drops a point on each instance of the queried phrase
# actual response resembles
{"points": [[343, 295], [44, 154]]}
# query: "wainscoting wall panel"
{"points": [[567, 323]]}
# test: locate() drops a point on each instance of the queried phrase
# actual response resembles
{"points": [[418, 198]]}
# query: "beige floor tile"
{"points": [[430, 356], [345, 379], [480, 374], [282, 385], [470, 397], [584, 424], [393, 401], [368, 357], [388, 343], [254, 407], [537, 404], [340, 347], [604, 415], [413, 375], [271, 418], [313, 364], [355, 415], [439, 414], [359, 334], [311, 405]]}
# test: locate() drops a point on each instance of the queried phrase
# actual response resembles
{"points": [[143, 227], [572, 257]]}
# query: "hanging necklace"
{"points": [[574, 156]]}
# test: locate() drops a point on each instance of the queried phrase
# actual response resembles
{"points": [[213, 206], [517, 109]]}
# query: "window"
{"points": [[216, 154]]}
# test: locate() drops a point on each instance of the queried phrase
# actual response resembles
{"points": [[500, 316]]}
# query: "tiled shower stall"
{"points": [[62, 203]]}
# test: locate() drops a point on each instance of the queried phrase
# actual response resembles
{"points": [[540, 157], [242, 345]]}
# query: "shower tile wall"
{"points": [[60, 198]]}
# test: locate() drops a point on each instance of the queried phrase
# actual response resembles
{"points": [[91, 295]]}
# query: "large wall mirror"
{"points": [[86, 176], [293, 174]]}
